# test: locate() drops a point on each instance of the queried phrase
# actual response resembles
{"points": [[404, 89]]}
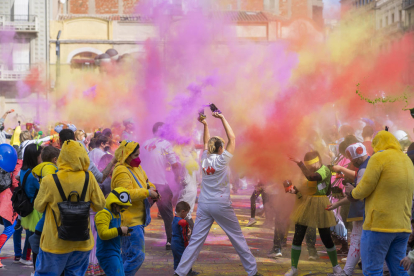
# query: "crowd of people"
{"points": [[87, 198]]}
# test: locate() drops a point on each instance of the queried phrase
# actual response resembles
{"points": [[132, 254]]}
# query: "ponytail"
{"points": [[214, 144]]}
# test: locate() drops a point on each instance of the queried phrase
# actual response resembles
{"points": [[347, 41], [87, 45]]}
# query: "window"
{"points": [[400, 16], [409, 19], [380, 23], [21, 55], [392, 18], [386, 21]]}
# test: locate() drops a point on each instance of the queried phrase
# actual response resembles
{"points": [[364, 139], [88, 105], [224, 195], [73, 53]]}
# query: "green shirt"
{"points": [[322, 186]]}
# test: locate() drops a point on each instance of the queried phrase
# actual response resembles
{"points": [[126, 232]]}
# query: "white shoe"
{"points": [[25, 262], [292, 272], [337, 270], [252, 221], [344, 260]]}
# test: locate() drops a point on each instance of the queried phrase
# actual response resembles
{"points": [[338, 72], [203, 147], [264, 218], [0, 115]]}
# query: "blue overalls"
{"points": [[108, 252]]}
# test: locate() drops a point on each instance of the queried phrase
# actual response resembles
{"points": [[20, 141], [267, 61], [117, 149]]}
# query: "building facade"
{"points": [[24, 28]]}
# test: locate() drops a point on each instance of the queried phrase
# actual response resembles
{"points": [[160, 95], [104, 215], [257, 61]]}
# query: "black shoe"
{"points": [[18, 225], [168, 246], [16, 260]]}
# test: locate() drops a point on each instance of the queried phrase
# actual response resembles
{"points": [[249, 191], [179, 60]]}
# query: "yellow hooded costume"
{"points": [[72, 163], [122, 177], [104, 217], [387, 187]]}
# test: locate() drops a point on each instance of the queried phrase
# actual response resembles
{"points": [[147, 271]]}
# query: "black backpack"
{"points": [[74, 215], [20, 201], [5, 180]]}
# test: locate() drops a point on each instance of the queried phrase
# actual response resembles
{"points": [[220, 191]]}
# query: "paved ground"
{"points": [[218, 257]]}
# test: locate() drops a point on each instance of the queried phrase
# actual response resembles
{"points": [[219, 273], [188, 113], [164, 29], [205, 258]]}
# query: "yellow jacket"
{"points": [[72, 163], [387, 187], [122, 177], [104, 217]]}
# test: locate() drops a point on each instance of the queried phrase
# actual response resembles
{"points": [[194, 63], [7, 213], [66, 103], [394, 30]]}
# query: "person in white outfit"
{"points": [[214, 202]]}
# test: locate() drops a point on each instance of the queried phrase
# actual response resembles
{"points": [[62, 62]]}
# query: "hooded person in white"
{"points": [[214, 202]]}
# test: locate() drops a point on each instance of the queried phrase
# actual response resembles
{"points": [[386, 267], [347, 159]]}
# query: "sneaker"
{"points": [[25, 262], [313, 254], [344, 260], [168, 246], [342, 251], [16, 260], [18, 225], [337, 270], [252, 221], [275, 253], [292, 272]]}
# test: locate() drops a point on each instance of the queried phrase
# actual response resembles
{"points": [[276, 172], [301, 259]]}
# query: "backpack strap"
{"points": [[135, 178], [85, 186], [25, 179], [59, 186]]}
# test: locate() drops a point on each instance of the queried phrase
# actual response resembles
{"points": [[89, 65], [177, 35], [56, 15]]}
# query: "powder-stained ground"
{"points": [[217, 257]]}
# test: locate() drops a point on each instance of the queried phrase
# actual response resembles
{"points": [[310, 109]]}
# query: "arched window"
{"points": [[83, 61]]}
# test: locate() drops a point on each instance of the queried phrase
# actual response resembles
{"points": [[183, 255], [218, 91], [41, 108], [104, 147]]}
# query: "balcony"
{"points": [[406, 4], [14, 72], [394, 28], [19, 23]]}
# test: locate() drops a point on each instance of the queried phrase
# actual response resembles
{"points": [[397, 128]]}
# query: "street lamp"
{"points": [[57, 58]]}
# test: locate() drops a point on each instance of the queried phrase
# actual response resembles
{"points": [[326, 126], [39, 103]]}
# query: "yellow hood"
{"points": [[125, 150], [73, 157], [384, 140], [38, 170], [112, 198]]}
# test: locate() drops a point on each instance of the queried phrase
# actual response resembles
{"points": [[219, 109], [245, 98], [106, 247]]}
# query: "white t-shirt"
{"points": [[215, 186], [155, 156]]}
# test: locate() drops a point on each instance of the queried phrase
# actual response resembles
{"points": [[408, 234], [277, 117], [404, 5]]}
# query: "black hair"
{"points": [[182, 205], [349, 140], [97, 134], [31, 153], [93, 143], [65, 135], [49, 152], [102, 139], [312, 155], [368, 131], [411, 147], [156, 127]]}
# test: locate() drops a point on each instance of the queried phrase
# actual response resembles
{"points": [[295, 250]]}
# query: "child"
{"points": [[311, 211], [108, 226], [180, 232], [49, 157]]}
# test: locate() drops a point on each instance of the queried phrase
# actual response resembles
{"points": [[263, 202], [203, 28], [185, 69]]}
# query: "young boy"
{"points": [[49, 157], [180, 232], [108, 226]]}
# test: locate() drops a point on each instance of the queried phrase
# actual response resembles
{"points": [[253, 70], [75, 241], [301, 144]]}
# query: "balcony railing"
{"points": [[19, 23], [14, 72], [407, 4]]}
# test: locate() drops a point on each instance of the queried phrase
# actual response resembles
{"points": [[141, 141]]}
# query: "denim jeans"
{"points": [[377, 247], [133, 250], [73, 264]]}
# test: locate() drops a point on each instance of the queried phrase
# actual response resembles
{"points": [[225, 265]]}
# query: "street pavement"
{"points": [[217, 257]]}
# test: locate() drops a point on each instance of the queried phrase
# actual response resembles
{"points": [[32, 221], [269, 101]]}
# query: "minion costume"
{"points": [[108, 226]]}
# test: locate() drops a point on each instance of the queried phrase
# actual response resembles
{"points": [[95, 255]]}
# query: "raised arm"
{"points": [[231, 145], [206, 134]]}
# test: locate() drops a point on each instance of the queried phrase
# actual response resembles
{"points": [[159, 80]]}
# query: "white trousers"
{"points": [[189, 192], [224, 215], [354, 252]]}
